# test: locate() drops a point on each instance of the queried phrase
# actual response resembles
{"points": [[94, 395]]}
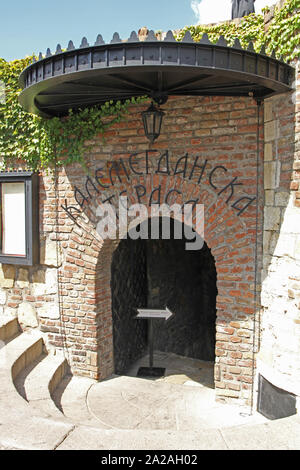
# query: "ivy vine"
{"points": [[251, 28], [42, 143], [283, 34]]}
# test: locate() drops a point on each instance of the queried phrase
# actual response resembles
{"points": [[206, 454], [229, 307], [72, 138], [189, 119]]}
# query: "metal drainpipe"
{"points": [[58, 251], [255, 349]]}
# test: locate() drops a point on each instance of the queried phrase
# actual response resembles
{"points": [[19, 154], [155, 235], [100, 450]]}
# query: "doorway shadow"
{"points": [[155, 274]]}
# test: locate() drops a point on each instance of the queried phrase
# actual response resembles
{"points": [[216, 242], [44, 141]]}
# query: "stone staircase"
{"points": [[28, 378], [44, 407], [71, 398], [38, 391]]}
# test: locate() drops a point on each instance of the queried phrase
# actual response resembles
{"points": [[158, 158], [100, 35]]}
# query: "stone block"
{"points": [[270, 131], [7, 275], [51, 281], [22, 280], [224, 131], [44, 282], [272, 218], [267, 261], [269, 197], [296, 165], [49, 310], [266, 241], [273, 242], [34, 351], [38, 286], [271, 175], [268, 111], [268, 154], [92, 358], [50, 254], [10, 329], [228, 393], [9, 313], [27, 315], [282, 199]]}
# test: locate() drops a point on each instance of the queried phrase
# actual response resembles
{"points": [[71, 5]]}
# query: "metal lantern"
{"points": [[152, 120]]}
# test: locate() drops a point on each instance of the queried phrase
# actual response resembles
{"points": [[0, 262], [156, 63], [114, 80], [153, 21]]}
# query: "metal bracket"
{"points": [[159, 97]]}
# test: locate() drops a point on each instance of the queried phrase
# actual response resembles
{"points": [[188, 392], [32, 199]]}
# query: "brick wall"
{"points": [[69, 294]]}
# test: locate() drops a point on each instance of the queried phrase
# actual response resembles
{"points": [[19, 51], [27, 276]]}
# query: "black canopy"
{"points": [[91, 75]]}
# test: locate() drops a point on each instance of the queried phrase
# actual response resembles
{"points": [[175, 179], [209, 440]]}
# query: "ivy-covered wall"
{"points": [[283, 31], [40, 143]]}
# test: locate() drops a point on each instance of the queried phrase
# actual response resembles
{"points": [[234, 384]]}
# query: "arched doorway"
{"points": [[156, 273]]}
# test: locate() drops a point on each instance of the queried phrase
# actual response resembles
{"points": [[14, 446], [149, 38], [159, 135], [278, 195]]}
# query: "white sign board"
{"points": [[13, 219]]}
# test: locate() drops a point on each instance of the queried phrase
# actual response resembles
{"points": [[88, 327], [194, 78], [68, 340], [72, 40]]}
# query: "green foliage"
{"points": [[20, 132], [43, 143], [250, 29], [283, 35], [67, 137]]}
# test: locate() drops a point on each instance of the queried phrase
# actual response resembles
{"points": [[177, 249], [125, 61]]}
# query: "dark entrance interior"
{"points": [[155, 274]]}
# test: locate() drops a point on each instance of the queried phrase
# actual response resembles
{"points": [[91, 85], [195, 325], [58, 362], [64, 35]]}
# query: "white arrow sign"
{"points": [[151, 313]]}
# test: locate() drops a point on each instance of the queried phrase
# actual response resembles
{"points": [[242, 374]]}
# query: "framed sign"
{"points": [[19, 224]]}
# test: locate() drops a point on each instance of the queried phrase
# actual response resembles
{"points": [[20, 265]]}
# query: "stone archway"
{"points": [[231, 239], [229, 233]]}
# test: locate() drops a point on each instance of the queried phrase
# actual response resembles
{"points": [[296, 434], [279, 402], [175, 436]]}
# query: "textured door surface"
{"points": [[185, 282], [129, 292]]}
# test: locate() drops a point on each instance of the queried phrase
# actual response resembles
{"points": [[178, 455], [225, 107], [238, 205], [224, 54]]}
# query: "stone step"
{"points": [[282, 434], [88, 438], [9, 330], [71, 398], [37, 382], [22, 426], [19, 353]]}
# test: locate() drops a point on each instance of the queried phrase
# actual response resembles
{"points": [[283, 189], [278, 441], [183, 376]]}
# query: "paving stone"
{"points": [[83, 438]]}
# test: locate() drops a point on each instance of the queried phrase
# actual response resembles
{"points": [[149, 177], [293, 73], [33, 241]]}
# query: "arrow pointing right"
{"points": [[154, 313]]}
